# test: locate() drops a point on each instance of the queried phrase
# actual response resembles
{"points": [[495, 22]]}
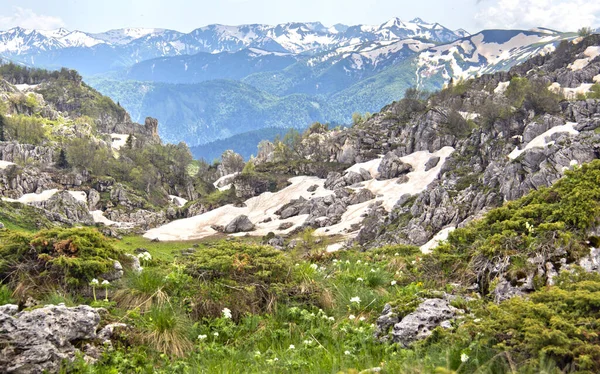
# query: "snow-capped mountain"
{"points": [[485, 52], [128, 46]]}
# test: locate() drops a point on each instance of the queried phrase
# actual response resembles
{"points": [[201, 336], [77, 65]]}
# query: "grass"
{"points": [[162, 251]]}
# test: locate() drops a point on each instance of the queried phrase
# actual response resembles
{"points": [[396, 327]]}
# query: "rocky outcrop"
{"points": [[419, 324], [39, 340], [391, 166], [16, 181], [239, 224], [15, 152], [63, 207]]}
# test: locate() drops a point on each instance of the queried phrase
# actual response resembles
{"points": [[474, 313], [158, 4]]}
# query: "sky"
{"points": [[186, 15]]}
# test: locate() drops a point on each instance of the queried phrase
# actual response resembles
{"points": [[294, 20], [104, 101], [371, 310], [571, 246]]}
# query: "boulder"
{"points": [[419, 324], [391, 166], [39, 340], [239, 224], [431, 163], [63, 207]]}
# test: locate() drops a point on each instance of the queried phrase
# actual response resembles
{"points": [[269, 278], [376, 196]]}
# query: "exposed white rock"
{"points": [[118, 140], [5, 164], [501, 88]]}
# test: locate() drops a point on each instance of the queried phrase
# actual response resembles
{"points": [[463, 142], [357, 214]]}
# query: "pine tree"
{"points": [[62, 160], [2, 136], [129, 142]]}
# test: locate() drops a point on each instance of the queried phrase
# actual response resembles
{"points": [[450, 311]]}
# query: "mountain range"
{"points": [[222, 81]]}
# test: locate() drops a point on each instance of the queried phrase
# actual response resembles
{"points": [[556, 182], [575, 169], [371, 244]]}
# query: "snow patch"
{"points": [[26, 87], [540, 140], [440, 236], [5, 164], [501, 88], [590, 53], [118, 140], [180, 200]]}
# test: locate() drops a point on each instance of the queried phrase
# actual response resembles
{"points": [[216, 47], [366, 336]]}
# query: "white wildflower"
{"points": [[105, 283], [351, 317], [314, 266], [372, 270], [347, 353], [393, 283], [464, 357], [257, 354], [331, 319], [215, 333], [227, 313], [359, 279], [307, 342], [202, 337], [396, 254], [292, 346], [94, 282], [362, 319], [358, 261], [355, 299]]}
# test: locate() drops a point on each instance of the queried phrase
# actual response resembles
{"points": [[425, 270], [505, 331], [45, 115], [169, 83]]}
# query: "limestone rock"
{"points": [[239, 224], [37, 341], [419, 324]]}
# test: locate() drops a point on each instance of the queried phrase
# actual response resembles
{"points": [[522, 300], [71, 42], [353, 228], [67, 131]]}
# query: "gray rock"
{"points": [[106, 333], [64, 208], [385, 321], [39, 340], [419, 324], [431, 163], [239, 224], [1, 225], [93, 199], [391, 166], [360, 196], [276, 242], [115, 274]]}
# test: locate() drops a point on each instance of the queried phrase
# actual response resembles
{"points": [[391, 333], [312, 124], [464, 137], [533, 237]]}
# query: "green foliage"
{"points": [[585, 31], [63, 257], [25, 129], [6, 295], [532, 94], [594, 92], [546, 222], [62, 160], [517, 90]]}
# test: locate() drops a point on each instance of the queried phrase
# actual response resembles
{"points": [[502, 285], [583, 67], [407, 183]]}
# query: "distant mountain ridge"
{"points": [[127, 46]]}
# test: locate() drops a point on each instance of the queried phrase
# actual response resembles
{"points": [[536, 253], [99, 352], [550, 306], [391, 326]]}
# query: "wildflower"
{"points": [[396, 254], [257, 354], [215, 333], [145, 256], [292, 346], [335, 260], [105, 284], [372, 270], [359, 279], [464, 357], [347, 261], [347, 353], [331, 319], [202, 337], [413, 262], [355, 299], [307, 342], [94, 283], [393, 283], [358, 261], [362, 319], [227, 313], [351, 317], [314, 266], [477, 320]]}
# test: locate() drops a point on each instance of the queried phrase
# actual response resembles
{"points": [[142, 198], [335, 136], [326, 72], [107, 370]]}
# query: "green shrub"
{"points": [[56, 257]]}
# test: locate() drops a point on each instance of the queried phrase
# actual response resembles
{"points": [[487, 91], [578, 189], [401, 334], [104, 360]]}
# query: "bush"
{"points": [[25, 129], [56, 257]]}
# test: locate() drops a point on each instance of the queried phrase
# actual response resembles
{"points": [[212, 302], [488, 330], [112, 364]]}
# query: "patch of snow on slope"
{"points": [[540, 140], [34, 197], [388, 191], [440, 236], [25, 87], [257, 209], [501, 88], [596, 79], [370, 166], [79, 196], [118, 140], [180, 200], [590, 53], [5, 164], [99, 217]]}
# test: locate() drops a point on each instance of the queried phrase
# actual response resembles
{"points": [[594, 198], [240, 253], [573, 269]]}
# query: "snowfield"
{"points": [[263, 207]]}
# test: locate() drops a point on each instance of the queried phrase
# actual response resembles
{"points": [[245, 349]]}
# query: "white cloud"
{"points": [[561, 15], [28, 19]]}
